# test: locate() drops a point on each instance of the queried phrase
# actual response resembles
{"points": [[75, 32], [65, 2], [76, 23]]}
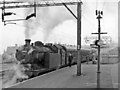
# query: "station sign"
{"points": [[99, 42], [102, 46], [91, 39]]}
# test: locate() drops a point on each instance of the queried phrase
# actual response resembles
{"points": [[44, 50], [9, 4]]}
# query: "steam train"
{"points": [[37, 57]]}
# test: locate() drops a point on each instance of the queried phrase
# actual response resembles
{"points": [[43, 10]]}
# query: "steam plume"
{"points": [[47, 18], [16, 72]]}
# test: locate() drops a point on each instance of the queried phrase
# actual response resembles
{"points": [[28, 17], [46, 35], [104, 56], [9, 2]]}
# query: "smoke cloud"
{"points": [[46, 18]]}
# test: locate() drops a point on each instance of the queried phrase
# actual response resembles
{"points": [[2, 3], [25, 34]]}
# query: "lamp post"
{"points": [[98, 44], [99, 13]]}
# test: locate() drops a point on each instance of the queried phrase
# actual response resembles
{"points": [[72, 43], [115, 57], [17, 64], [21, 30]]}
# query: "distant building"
{"points": [[9, 54]]}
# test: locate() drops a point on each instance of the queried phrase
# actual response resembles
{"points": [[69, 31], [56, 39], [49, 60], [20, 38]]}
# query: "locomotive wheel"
{"points": [[35, 69], [36, 73], [29, 73]]}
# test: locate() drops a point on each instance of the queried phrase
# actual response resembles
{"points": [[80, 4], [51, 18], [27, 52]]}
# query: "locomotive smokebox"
{"points": [[27, 41]]}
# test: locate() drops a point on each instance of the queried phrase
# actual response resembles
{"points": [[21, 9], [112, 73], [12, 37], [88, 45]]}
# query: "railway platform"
{"points": [[67, 78]]}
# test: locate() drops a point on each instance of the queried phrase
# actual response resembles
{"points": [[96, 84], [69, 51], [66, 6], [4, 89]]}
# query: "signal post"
{"points": [[98, 43]]}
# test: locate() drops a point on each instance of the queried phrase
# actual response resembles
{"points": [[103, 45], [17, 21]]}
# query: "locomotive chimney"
{"points": [[27, 41]]}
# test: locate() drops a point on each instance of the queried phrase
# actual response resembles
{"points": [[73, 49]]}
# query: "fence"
{"points": [[109, 59]]}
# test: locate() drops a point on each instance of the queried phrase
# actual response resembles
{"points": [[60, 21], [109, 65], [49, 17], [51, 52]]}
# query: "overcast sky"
{"points": [[56, 24]]}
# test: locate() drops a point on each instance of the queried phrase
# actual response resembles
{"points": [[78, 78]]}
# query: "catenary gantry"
{"points": [[42, 3]]}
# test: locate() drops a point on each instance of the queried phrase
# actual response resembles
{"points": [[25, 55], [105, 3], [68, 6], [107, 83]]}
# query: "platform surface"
{"points": [[67, 78]]}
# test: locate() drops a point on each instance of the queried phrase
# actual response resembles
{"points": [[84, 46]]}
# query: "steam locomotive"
{"points": [[37, 57]]}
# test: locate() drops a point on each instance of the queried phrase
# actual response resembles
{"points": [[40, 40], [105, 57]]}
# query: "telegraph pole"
{"points": [[99, 16], [79, 39]]}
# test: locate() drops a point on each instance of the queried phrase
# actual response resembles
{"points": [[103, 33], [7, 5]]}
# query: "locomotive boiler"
{"points": [[37, 57]]}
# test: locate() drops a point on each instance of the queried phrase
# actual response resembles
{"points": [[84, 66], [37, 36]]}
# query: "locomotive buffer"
{"points": [[99, 43]]}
